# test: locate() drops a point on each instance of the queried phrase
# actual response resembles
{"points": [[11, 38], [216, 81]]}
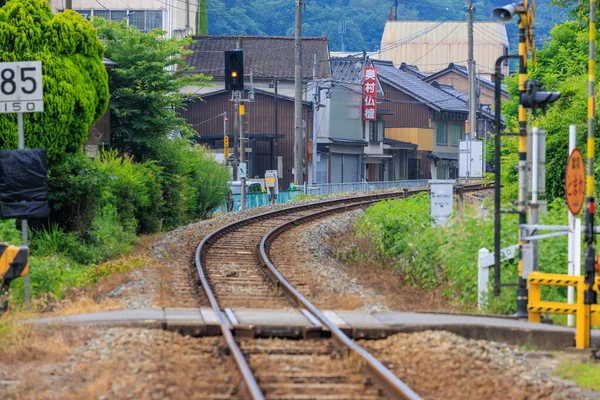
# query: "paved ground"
{"points": [[292, 322]]}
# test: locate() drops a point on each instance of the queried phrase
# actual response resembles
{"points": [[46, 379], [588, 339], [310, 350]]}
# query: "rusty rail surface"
{"points": [[389, 382]]}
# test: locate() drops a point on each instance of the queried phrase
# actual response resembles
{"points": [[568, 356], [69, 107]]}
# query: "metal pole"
{"points": [[68, 4], [534, 206], [24, 221], [315, 111], [497, 183], [242, 160], [236, 143], [298, 176], [589, 296], [522, 292], [276, 129], [571, 237], [471, 70]]}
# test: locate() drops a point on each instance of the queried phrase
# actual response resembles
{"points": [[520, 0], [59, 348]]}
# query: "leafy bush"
{"points": [[9, 232], [76, 189], [74, 77], [446, 256], [193, 183]]}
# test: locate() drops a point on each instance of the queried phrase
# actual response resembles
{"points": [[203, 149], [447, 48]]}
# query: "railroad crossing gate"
{"points": [[14, 263], [586, 315]]}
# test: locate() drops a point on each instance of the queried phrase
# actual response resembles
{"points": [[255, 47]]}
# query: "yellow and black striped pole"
{"points": [[523, 29], [589, 297]]}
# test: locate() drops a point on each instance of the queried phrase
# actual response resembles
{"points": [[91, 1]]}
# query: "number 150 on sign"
{"points": [[21, 87]]}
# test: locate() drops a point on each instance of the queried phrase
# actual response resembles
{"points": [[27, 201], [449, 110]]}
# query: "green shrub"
{"points": [[446, 256], [75, 79], [76, 188], [51, 277], [9, 232], [193, 183]]}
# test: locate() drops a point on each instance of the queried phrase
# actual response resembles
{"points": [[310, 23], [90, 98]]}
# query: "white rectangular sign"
{"points": [[470, 159], [242, 170], [441, 201], [21, 87]]}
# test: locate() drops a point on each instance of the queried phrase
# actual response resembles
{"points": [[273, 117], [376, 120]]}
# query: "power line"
{"points": [[438, 43]]}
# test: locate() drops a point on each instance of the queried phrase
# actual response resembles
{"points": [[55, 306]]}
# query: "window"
{"points": [[455, 134], [84, 13], [118, 15], [136, 18], [153, 20], [143, 20], [376, 130], [441, 135]]}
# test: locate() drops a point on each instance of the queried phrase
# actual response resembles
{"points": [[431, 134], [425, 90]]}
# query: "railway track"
{"points": [[235, 270]]}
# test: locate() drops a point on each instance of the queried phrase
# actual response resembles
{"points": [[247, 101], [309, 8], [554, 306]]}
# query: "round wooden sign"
{"points": [[575, 182]]}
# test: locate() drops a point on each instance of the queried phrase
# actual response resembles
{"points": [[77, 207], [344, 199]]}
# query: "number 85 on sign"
{"points": [[21, 87]]}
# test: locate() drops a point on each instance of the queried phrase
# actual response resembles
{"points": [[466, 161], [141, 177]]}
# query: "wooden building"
{"points": [[268, 144]]}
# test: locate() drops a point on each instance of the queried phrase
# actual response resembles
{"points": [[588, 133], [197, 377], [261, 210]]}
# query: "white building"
{"points": [[176, 17]]}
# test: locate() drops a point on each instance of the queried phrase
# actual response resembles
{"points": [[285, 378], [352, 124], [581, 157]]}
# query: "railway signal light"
{"points": [[234, 70], [535, 98]]}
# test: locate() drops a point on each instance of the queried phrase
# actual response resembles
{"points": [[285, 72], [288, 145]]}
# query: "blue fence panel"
{"points": [[261, 199]]}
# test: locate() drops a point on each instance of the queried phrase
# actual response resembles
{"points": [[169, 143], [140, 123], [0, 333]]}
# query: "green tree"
{"points": [[74, 79], [145, 86]]}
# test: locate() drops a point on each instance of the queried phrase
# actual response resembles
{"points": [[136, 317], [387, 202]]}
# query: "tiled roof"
{"points": [[399, 144], [451, 91], [413, 69], [256, 91], [347, 69], [463, 97], [265, 56], [435, 98], [462, 70]]}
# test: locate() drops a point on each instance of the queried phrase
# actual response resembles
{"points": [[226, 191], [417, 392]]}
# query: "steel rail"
{"points": [[250, 384], [391, 384]]}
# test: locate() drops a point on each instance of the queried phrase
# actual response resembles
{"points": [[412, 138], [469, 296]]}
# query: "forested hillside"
{"points": [[364, 19]]}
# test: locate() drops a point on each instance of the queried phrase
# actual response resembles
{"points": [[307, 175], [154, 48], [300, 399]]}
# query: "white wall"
{"points": [[174, 11]]}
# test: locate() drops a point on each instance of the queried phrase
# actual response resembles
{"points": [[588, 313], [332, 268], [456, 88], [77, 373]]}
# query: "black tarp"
{"points": [[23, 183], [23, 175], [24, 209]]}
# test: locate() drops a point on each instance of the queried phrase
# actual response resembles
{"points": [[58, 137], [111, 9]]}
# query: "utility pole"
{"points": [[276, 129], [315, 110], [236, 143], [298, 164], [68, 4], [471, 67], [241, 108]]}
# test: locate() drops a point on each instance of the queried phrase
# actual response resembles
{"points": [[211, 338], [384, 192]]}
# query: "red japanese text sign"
{"points": [[575, 182], [370, 94]]}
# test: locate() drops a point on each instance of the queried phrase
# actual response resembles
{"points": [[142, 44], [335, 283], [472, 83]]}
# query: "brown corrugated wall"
{"points": [[405, 114], [259, 119]]}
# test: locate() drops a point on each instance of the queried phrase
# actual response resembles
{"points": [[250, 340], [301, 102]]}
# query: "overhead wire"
{"points": [[438, 43]]}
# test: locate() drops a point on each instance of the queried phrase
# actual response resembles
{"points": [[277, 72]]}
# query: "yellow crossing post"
{"points": [[586, 314]]}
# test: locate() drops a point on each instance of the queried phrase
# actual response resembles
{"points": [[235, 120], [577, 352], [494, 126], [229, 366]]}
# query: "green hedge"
{"points": [[99, 205], [446, 256]]}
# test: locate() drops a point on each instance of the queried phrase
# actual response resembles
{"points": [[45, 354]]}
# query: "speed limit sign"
{"points": [[21, 87]]}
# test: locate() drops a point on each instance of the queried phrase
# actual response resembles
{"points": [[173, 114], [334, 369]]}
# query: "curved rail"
{"points": [[250, 383], [390, 382], [251, 386]]}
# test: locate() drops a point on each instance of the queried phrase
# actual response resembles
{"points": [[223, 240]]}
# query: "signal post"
{"points": [[234, 82]]}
